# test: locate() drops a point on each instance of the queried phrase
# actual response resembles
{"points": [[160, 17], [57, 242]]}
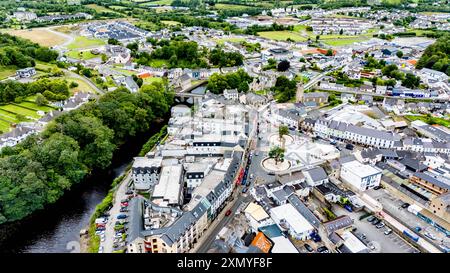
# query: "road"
{"points": [[221, 221], [69, 38], [115, 210]]}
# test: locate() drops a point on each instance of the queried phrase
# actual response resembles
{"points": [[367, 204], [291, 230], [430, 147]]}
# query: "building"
{"points": [[145, 172], [24, 16], [26, 72], [430, 183], [195, 172], [360, 176], [231, 94], [315, 176], [317, 97], [168, 191], [289, 219], [257, 216], [440, 206]]}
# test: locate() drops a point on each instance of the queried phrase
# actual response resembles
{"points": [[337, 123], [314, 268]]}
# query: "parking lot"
{"points": [[393, 206], [375, 237]]}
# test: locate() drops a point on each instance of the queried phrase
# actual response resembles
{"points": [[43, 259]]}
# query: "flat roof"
{"points": [[283, 245], [145, 162], [169, 185], [360, 169], [353, 243], [256, 211], [295, 220]]}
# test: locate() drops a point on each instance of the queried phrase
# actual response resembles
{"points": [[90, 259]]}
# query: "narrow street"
{"points": [[115, 210]]}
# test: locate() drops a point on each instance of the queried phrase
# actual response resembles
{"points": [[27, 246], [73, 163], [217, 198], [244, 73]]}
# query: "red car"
{"points": [[228, 213], [124, 204]]}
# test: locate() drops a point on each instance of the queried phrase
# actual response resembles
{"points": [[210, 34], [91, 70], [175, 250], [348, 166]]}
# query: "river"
{"points": [[56, 228]]}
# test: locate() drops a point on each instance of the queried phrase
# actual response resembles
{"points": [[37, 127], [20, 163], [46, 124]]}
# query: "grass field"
{"points": [[82, 86], [282, 35], [158, 63], [66, 29], [7, 71], [159, 2], [232, 40], [83, 42], [431, 120], [39, 35], [99, 8], [36, 107], [170, 23], [20, 110], [342, 42], [81, 55], [152, 79]]}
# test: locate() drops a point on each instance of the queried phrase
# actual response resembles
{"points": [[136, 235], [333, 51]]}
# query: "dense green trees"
{"points": [[23, 53], [51, 89], [38, 170], [238, 80], [283, 65], [284, 89], [437, 56], [221, 58]]}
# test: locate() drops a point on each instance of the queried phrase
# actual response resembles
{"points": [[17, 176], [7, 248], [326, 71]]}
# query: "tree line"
{"points": [[51, 89], [40, 169], [437, 56], [23, 53]]}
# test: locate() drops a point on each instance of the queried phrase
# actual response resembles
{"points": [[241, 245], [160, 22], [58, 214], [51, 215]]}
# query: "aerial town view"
{"points": [[224, 126]]}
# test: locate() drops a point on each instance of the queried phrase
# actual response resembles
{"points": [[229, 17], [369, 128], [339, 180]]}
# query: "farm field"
{"points": [[67, 29], [38, 35], [282, 35], [159, 2], [84, 42], [99, 8]]}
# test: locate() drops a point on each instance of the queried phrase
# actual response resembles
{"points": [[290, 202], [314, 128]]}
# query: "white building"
{"points": [[231, 94], [168, 191], [145, 172], [288, 218], [362, 177]]}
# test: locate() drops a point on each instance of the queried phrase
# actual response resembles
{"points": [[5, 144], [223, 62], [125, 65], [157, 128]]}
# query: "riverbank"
{"points": [[92, 241], [55, 229]]}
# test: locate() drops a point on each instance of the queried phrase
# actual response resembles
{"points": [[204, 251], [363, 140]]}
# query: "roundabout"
{"points": [[270, 165]]}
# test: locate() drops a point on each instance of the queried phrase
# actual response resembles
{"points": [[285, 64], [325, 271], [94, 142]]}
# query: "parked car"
{"points": [[122, 216], [376, 222], [388, 231], [244, 190], [371, 219], [418, 229], [380, 225], [377, 187], [309, 248], [322, 249], [349, 147], [124, 204], [430, 236], [129, 192], [228, 213], [405, 205], [123, 209], [363, 236], [100, 249]]}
